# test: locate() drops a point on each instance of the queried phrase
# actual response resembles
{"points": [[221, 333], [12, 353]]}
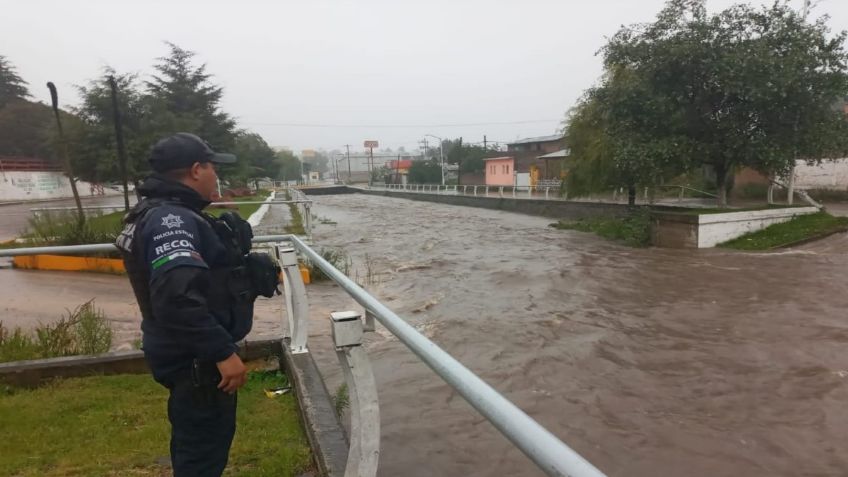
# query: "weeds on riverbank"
{"points": [[633, 230], [85, 330]]}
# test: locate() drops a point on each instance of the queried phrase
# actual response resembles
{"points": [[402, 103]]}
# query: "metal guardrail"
{"points": [[553, 456], [549, 453], [121, 206]]}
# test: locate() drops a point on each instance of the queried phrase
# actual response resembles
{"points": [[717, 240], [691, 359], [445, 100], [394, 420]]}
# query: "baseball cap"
{"points": [[182, 150]]}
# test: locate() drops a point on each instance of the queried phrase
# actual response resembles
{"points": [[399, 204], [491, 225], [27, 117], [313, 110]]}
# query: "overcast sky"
{"points": [[321, 74]]}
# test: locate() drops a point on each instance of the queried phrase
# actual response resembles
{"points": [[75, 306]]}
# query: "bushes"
{"points": [[337, 258], [64, 229], [84, 330], [633, 230]]}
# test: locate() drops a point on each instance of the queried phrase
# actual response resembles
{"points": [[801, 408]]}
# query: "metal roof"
{"points": [[557, 155], [553, 137], [497, 158]]}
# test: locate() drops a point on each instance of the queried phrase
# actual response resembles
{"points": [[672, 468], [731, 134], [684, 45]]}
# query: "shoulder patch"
{"points": [[172, 221]]}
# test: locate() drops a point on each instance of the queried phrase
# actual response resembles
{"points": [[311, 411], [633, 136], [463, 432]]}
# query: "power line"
{"points": [[386, 126]]}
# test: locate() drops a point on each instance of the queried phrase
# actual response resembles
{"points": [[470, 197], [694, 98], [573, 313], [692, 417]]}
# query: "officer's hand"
{"points": [[233, 374]]}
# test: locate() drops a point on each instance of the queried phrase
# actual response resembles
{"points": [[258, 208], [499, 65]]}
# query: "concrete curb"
{"points": [[318, 415], [256, 217]]}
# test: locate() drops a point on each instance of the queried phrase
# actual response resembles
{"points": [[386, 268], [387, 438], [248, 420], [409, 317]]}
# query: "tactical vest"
{"points": [[234, 284]]}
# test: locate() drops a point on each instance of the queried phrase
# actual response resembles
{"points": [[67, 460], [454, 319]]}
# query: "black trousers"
{"points": [[203, 422]]}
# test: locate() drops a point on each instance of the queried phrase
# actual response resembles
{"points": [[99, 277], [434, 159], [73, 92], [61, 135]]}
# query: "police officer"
{"points": [[186, 270]]}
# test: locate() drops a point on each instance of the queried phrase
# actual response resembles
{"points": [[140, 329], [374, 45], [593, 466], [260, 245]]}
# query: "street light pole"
{"points": [[441, 155]]}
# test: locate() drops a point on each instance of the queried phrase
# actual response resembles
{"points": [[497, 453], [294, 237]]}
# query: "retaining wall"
{"points": [[556, 209], [688, 230]]}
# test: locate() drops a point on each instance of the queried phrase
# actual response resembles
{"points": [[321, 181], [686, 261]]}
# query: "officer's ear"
{"points": [[194, 171]]}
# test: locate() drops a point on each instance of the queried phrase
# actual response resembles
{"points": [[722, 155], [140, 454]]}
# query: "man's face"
{"points": [[205, 179]]}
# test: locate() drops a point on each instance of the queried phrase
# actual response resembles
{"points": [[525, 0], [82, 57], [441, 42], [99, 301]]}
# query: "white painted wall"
{"points": [[714, 229], [832, 175], [522, 179], [22, 185]]}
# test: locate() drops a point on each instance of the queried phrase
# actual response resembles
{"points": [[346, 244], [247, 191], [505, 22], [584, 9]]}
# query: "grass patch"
{"points": [[633, 230], [800, 228], [84, 331], [117, 425], [296, 225], [244, 210]]}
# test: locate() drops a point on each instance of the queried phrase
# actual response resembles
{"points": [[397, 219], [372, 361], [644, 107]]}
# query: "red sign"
{"points": [[371, 144]]}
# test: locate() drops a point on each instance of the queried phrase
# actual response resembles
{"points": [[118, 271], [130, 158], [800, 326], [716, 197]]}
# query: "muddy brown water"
{"points": [[649, 362]]}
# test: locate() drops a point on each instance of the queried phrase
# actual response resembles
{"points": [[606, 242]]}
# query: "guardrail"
{"points": [[549, 453]]}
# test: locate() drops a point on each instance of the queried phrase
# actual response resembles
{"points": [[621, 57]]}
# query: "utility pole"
{"points": [[484, 143], [459, 163], [347, 147], [119, 140]]}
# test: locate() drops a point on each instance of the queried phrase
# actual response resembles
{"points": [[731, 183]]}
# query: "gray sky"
{"points": [[449, 68]]}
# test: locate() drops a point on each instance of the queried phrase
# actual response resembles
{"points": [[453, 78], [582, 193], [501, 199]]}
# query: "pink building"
{"points": [[500, 171]]}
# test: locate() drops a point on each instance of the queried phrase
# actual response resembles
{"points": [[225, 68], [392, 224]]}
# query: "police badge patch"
{"points": [[172, 221]]}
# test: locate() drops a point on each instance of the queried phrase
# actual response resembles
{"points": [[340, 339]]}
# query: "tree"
{"points": [[425, 172], [611, 140], [288, 166], [12, 86], [182, 98], [26, 129], [92, 140], [744, 87], [319, 162], [255, 159]]}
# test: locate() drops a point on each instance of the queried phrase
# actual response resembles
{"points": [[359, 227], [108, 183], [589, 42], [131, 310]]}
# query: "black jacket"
{"points": [[184, 263]]}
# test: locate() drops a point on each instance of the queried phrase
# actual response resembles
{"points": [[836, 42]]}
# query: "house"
{"points": [[500, 171], [535, 161], [539, 145], [398, 170]]}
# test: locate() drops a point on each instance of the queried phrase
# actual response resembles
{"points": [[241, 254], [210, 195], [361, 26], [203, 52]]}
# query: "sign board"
{"points": [[371, 144], [307, 153]]}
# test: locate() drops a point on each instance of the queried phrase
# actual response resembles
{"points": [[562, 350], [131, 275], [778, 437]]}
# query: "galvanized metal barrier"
{"points": [[549, 453]]}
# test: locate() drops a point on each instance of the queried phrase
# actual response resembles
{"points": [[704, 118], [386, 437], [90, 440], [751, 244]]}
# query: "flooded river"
{"points": [[649, 362]]}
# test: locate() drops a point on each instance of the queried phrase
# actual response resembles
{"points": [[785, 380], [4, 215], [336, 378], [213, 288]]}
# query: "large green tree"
{"points": [[12, 86], [255, 159], [425, 172], [744, 87], [612, 141], [183, 98], [289, 167], [93, 138], [26, 129]]}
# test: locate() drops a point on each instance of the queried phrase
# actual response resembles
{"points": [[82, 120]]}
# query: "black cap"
{"points": [[182, 150]]}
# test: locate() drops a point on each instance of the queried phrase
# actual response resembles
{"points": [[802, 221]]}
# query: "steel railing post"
{"points": [[294, 292], [364, 454]]}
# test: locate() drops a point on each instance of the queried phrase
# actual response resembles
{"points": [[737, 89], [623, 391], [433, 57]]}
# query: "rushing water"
{"points": [[649, 362]]}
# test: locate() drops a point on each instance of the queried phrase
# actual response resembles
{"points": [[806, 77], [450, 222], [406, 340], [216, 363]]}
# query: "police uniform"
{"points": [[188, 272]]}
